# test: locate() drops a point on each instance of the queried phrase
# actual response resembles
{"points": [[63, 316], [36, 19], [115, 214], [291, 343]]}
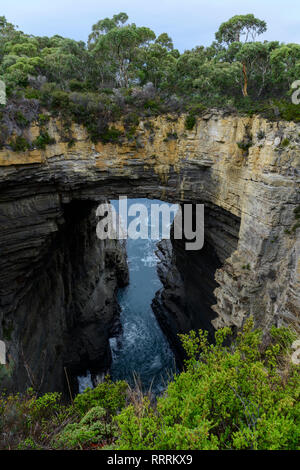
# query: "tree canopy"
{"points": [[120, 54], [126, 68], [241, 25]]}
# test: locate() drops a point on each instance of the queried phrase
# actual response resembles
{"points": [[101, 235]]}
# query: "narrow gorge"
{"points": [[59, 283]]}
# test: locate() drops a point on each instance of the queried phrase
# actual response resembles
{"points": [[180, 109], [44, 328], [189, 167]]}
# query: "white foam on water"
{"points": [[132, 333], [149, 261]]}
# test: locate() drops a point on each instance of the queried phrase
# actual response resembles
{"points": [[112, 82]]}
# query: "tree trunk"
{"points": [[245, 87]]}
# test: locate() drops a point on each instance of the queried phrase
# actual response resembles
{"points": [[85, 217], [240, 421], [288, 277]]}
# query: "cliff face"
{"points": [[187, 298], [258, 264], [58, 291]]}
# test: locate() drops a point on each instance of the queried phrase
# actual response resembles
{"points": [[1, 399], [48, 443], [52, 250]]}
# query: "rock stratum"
{"points": [[58, 282]]}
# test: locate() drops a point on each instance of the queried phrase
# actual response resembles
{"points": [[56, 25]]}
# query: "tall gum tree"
{"points": [[234, 29]]}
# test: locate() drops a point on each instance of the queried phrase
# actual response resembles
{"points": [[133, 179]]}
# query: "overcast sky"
{"points": [[188, 22]]}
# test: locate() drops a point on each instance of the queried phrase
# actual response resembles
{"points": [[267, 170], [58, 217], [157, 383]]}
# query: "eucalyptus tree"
{"points": [[247, 27], [256, 58], [119, 47], [20, 60], [7, 32], [156, 62], [65, 59], [285, 62], [189, 68], [105, 25]]}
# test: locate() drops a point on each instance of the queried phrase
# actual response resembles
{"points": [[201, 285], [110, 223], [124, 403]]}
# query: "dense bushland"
{"points": [[239, 396], [125, 71]]}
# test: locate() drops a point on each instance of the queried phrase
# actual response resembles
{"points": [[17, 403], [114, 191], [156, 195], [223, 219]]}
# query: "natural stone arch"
{"points": [[205, 165]]}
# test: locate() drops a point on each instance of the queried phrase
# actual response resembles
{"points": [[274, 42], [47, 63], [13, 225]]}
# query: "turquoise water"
{"points": [[141, 349]]}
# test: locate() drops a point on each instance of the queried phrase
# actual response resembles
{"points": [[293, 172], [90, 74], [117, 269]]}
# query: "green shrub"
{"points": [[21, 120], [131, 120], [93, 131], [109, 395], [20, 144], [76, 85], [107, 91], [196, 109], [190, 122], [285, 143], [46, 94], [289, 111], [75, 436], [60, 99], [245, 144], [246, 266], [152, 105], [131, 133], [32, 93], [28, 444], [241, 395], [28, 421], [111, 135], [42, 140], [261, 135], [71, 142], [43, 119], [92, 428], [44, 406], [228, 397], [250, 107]]}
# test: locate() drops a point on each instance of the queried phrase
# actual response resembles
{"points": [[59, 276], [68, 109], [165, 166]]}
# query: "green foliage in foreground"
{"points": [[92, 428], [46, 422], [111, 396], [242, 396]]}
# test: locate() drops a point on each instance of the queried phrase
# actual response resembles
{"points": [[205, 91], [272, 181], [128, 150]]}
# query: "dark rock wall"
{"points": [[188, 277], [58, 288]]}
